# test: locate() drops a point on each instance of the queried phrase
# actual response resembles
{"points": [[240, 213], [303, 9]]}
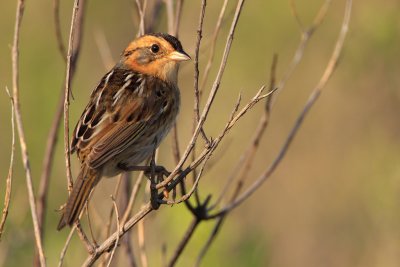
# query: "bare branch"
{"points": [[21, 133], [64, 250], [118, 227], [112, 211], [170, 15], [141, 9], [7, 195], [212, 48], [57, 24], [305, 37], [132, 199], [312, 99], [188, 234], [211, 97], [196, 109], [52, 137], [142, 246], [178, 15], [109, 242], [67, 93], [126, 239], [210, 239], [104, 49], [242, 168], [175, 144]]}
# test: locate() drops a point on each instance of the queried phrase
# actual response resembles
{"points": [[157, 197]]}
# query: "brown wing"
{"points": [[120, 109]]}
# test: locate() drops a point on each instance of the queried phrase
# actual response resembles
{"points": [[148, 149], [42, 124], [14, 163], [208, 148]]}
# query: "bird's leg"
{"points": [[153, 183], [160, 170]]}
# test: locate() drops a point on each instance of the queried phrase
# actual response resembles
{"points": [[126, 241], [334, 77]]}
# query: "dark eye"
{"points": [[155, 48]]}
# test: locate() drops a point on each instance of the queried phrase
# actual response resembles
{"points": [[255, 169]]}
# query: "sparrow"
{"points": [[129, 113]]}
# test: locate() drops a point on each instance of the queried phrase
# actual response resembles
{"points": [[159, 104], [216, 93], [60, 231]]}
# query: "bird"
{"points": [[129, 113]]}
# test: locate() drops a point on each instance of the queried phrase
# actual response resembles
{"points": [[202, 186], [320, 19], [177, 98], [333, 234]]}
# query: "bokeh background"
{"points": [[334, 200]]}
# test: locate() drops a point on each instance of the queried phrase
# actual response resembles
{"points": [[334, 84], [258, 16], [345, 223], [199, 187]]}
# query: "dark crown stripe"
{"points": [[170, 39]]}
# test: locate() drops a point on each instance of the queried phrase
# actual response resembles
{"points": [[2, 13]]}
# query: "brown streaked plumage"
{"points": [[128, 114]]}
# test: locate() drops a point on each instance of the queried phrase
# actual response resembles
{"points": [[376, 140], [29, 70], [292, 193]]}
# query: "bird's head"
{"points": [[157, 54]]}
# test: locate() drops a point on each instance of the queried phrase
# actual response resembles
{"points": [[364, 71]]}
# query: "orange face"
{"points": [[155, 56]]}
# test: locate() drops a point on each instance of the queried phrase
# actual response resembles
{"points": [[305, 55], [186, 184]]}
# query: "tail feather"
{"points": [[83, 185]]}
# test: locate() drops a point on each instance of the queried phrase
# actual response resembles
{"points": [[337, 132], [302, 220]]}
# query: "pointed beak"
{"points": [[179, 56]]}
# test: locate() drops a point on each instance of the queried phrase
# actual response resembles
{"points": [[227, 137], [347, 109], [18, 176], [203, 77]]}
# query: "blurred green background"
{"points": [[334, 200]]}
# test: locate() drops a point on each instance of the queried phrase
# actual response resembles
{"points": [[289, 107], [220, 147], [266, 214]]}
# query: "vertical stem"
{"points": [[18, 117]]}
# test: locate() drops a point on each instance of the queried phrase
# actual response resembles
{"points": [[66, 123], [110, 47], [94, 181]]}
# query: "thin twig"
{"points": [[142, 246], [188, 234], [57, 24], [75, 20], [94, 241], [52, 137], [129, 250], [211, 97], [127, 241], [85, 240], [175, 144], [196, 109], [107, 229], [311, 101], [118, 227], [170, 15], [67, 93], [110, 242], [66, 245], [21, 133], [141, 11], [306, 35], [217, 226], [7, 195], [132, 198], [212, 48], [104, 49], [178, 15], [210, 239], [242, 168], [186, 196], [112, 211]]}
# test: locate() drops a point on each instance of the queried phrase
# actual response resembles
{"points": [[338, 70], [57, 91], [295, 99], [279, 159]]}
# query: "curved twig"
{"points": [[21, 133], [7, 195], [211, 96], [311, 101]]}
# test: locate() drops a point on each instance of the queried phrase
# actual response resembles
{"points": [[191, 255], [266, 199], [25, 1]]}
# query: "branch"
{"points": [[141, 10], [7, 196], [56, 17], [21, 133], [67, 242], [306, 35], [142, 246], [311, 101], [118, 227], [211, 97], [170, 15], [67, 92], [189, 233], [109, 242], [178, 15], [52, 137], [242, 168], [213, 44]]}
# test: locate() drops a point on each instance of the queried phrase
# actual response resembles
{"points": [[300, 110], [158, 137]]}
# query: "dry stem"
{"points": [[7, 196], [21, 133]]}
